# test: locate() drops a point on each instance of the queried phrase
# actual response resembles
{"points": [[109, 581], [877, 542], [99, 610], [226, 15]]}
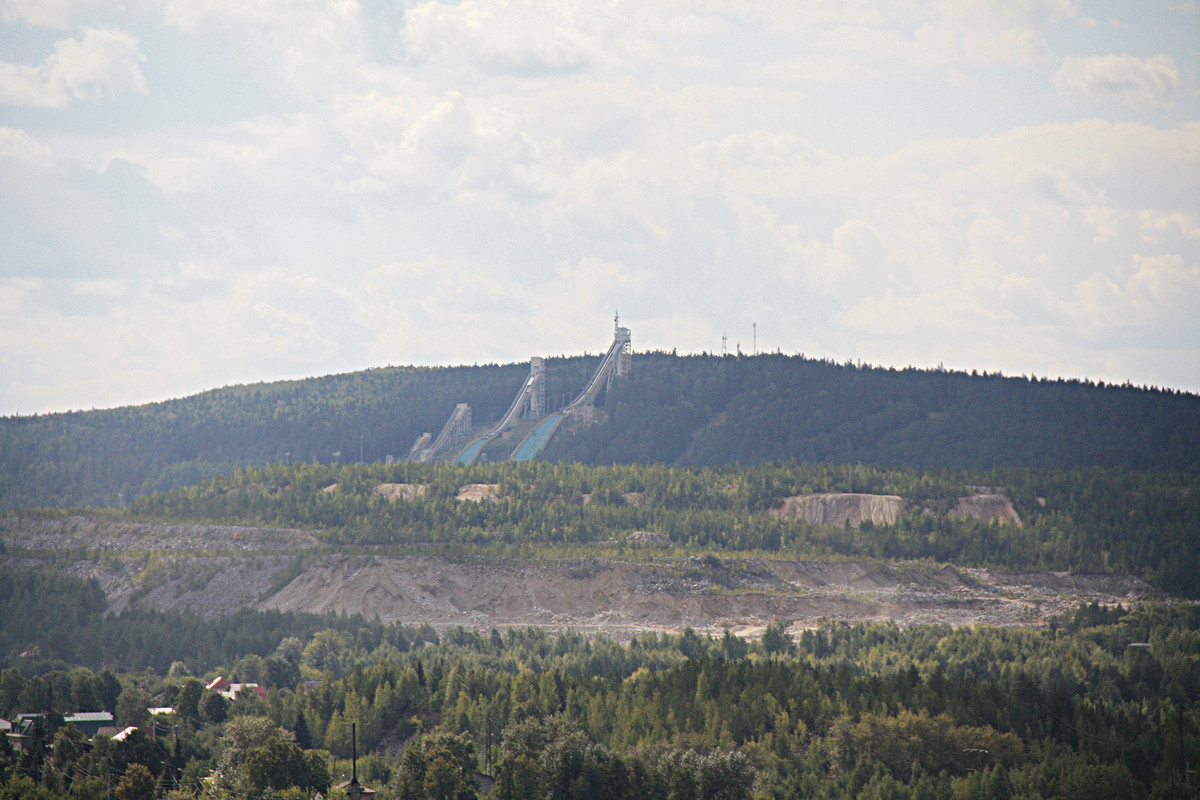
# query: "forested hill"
{"points": [[678, 410], [712, 410]]}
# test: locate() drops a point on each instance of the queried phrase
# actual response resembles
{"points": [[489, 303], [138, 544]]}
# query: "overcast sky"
{"points": [[195, 193]]}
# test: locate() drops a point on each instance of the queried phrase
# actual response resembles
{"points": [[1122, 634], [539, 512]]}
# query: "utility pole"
{"points": [[755, 338]]}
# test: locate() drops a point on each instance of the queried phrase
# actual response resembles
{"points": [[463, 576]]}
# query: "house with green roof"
{"points": [[89, 723]]}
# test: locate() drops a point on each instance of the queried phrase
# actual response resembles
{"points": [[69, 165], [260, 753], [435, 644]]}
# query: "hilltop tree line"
{"points": [[697, 410], [710, 411], [841, 711], [1084, 520]]}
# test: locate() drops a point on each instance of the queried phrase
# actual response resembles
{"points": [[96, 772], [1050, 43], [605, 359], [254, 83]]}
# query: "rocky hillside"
{"points": [[853, 509]]}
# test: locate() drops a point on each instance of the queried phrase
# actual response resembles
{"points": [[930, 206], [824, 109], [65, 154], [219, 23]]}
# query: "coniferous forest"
{"points": [[1084, 520], [1103, 704], [694, 410], [704, 454]]}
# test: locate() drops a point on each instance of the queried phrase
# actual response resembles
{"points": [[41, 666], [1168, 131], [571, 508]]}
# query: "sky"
{"points": [[198, 193]]}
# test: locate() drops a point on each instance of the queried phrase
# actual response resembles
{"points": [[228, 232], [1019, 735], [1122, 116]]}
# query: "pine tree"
{"points": [[303, 737], [337, 735]]}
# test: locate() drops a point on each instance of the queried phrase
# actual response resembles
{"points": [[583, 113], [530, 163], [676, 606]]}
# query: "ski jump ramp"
{"points": [[530, 402]]}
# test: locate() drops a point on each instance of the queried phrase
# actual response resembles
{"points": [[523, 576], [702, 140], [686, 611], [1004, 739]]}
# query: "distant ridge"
{"points": [[694, 410], [714, 410]]}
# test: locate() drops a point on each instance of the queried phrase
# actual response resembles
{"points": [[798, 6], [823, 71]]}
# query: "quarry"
{"points": [[214, 569]]}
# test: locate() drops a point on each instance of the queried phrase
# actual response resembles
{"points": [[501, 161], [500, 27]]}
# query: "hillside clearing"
{"points": [[218, 569]]}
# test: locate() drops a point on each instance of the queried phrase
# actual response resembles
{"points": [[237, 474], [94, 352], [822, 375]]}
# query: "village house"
{"points": [[230, 691], [89, 723]]}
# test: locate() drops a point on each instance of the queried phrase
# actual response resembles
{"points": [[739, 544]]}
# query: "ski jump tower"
{"points": [[455, 428], [615, 365], [530, 402], [624, 354]]}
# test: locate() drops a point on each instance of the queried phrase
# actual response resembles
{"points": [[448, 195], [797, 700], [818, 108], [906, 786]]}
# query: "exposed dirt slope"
{"points": [[216, 569], [987, 507], [107, 536], [402, 491], [839, 510], [619, 597], [850, 509], [479, 492]]}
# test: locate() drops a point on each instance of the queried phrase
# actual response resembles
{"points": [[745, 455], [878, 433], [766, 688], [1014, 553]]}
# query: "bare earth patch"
{"points": [[402, 491], [618, 597], [479, 492], [838, 510], [217, 569], [987, 507]]}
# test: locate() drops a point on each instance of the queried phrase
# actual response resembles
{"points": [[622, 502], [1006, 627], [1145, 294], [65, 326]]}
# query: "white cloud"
{"points": [[1107, 221], [189, 15], [486, 180], [101, 288], [277, 156], [995, 31], [56, 14], [1137, 81], [20, 146], [307, 53], [819, 69], [103, 61], [1164, 285], [1152, 304], [521, 38], [1165, 222], [929, 35], [962, 244]]}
